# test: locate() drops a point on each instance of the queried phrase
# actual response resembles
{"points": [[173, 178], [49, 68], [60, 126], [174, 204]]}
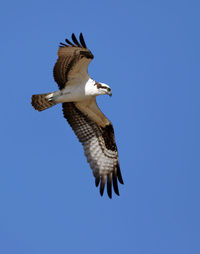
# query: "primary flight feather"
{"points": [[77, 93]]}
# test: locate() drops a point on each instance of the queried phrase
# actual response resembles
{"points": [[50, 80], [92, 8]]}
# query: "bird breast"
{"points": [[77, 92]]}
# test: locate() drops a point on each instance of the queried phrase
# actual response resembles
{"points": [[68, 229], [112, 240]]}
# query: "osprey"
{"points": [[77, 93]]}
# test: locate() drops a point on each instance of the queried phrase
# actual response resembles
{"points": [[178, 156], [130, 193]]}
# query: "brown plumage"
{"points": [[39, 102], [69, 57]]}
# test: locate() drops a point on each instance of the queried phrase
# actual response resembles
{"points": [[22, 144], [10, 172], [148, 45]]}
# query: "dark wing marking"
{"points": [[119, 175], [63, 44], [108, 136], [69, 42], [73, 59], [109, 185], [99, 147], [82, 41], [75, 40]]}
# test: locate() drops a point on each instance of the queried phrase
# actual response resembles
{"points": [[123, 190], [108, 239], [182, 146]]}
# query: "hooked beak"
{"points": [[110, 94]]}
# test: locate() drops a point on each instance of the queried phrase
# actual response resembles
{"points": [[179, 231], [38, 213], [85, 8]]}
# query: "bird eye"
{"points": [[98, 85], [108, 89]]}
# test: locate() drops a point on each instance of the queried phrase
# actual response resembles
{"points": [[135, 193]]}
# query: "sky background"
{"points": [[148, 52]]}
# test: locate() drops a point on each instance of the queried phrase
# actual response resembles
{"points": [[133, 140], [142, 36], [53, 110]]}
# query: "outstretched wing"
{"points": [[72, 63], [99, 147]]}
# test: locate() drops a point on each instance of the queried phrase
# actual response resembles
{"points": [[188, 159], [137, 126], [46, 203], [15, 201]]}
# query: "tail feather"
{"points": [[41, 101]]}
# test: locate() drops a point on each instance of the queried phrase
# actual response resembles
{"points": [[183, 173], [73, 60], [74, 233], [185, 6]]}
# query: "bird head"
{"points": [[103, 88]]}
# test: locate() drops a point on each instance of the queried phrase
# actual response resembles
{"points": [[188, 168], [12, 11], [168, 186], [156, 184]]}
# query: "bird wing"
{"points": [[96, 134], [72, 63]]}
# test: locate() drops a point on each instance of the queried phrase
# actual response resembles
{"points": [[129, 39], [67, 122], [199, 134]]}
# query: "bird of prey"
{"points": [[77, 93]]}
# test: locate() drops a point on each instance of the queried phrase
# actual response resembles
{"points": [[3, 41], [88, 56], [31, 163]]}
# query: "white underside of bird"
{"points": [[84, 95], [74, 92]]}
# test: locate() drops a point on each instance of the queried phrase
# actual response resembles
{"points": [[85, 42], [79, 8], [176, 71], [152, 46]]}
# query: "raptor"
{"points": [[77, 92]]}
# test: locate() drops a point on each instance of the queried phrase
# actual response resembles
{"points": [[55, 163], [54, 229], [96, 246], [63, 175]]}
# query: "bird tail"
{"points": [[42, 101]]}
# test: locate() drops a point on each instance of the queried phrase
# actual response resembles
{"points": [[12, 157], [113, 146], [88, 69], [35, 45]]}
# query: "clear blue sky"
{"points": [[148, 52]]}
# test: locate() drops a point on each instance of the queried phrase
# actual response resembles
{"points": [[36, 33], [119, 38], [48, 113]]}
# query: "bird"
{"points": [[77, 92]]}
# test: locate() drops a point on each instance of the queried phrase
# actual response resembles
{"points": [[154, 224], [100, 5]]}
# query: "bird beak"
{"points": [[110, 94]]}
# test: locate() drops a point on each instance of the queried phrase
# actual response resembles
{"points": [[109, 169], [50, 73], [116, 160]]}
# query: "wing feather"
{"points": [[69, 42], [109, 185], [115, 185], [72, 62], [82, 41], [119, 175], [102, 185], [97, 180], [75, 40], [99, 147], [63, 44]]}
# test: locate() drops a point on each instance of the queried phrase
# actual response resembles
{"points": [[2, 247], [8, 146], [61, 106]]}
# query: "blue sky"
{"points": [[148, 52]]}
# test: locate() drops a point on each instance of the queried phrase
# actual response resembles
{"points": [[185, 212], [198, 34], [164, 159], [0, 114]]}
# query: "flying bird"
{"points": [[77, 93]]}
